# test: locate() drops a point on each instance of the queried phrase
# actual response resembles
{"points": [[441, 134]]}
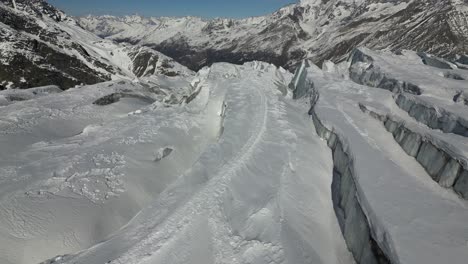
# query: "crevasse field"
{"points": [[224, 166]]}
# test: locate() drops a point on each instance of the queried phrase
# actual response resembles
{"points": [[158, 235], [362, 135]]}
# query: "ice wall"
{"points": [[440, 163], [299, 84], [435, 62], [16, 95], [351, 217], [432, 117], [363, 71]]}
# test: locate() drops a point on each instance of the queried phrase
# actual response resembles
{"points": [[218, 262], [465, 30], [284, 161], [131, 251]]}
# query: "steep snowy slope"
{"points": [[315, 29], [40, 45]]}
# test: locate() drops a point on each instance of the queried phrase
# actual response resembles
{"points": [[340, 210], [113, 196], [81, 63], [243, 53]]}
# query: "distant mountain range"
{"points": [[315, 29], [41, 45]]}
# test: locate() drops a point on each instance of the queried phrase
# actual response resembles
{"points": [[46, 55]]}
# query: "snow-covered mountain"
{"points": [[40, 45], [315, 29]]}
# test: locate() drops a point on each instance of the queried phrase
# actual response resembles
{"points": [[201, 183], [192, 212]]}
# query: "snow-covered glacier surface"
{"points": [[362, 162], [221, 167], [407, 177]]}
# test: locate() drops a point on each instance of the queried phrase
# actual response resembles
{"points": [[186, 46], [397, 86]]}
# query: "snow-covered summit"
{"points": [[315, 29]]}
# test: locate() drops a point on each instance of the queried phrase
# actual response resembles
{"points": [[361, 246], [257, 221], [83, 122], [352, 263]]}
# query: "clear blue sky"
{"points": [[203, 8]]}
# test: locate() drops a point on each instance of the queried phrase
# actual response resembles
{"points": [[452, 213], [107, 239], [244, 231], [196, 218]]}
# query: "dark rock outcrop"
{"points": [[35, 55]]}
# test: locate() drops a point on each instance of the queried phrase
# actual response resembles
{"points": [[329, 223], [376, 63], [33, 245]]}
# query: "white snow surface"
{"points": [[416, 219], [247, 180]]}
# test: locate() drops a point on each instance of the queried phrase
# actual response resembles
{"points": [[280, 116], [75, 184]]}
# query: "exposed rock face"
{"points": [[33, 53], [319, 30], [41, 45], [147, 62]]}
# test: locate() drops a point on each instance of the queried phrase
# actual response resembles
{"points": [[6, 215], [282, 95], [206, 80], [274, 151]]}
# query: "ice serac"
{"points": [[365, 70], [12, 96], [414, 161], [423, 84], [436, 62], [353, 221], [300, 85], [435, 118], [446, 164]]}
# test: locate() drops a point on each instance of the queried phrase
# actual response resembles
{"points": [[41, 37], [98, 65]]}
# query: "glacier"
{"points": [[238, 164], [231, 170], [378, 144]]}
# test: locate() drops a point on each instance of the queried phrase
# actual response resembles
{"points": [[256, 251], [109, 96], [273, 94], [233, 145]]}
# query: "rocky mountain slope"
{"points": [[363, 161], [40, 45], [315, 29]]}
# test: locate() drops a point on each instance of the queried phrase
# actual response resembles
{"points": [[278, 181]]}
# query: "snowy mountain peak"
{"points": [[36, 8], [42, 46], [322, 2], [318, 30]]}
